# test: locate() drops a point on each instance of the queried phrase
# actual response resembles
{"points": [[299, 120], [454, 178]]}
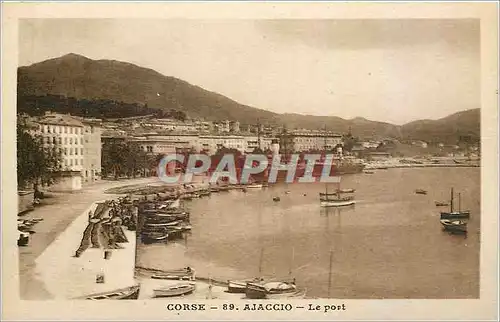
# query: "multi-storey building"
{"points": [[309, 140], [79, 142]]}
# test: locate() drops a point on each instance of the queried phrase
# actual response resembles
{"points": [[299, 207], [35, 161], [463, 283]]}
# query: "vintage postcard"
{"points": [[249, 161]]}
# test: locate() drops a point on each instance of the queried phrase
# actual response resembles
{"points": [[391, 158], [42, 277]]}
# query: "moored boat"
{"points": [[453, 214], [441, 204], [341, 202], [239, 286], [128, 293], [180, 274], [175, 290], [270, 290], [420, 191], [254, 186], [154, 237], [454, 225]]}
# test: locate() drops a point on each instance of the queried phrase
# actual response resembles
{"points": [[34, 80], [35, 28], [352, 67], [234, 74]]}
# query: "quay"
{"points": [[63, 214]]}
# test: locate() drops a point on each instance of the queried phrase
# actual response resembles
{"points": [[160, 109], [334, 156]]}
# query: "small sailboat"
{"points": [[175, 290], [452, 214], [239, 286], [272, 290], [335, 199]]}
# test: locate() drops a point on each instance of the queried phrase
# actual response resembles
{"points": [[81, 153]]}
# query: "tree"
{"points": [[114, 158], [136, 158], [37, 164]]}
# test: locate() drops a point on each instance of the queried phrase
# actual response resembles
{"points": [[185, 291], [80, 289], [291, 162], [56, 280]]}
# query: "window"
{"points": [[65, 130], [65, 140], [48, 129], [70, 140], [81, 151], [70, 130], [71, 162], [76, 151], [60, 129], [66, 152], [70, 151], [60, 140], [81, 141], [54, 140], [65, 162]]}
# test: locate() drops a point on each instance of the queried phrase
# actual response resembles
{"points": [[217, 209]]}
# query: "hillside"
{"points": [[115, 85], [464, 126]]}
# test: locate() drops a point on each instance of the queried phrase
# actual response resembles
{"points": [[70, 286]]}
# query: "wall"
{"points": [[24, 201], [67, 183]]}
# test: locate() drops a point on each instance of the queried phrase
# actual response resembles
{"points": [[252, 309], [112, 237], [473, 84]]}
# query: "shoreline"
{"points": [[33, 281]]}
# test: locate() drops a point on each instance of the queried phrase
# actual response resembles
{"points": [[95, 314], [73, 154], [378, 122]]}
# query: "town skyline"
{"points": [[406, 88]]}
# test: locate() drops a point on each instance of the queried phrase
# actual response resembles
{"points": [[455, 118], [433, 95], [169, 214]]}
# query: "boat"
{"points": [[254, 186], [454, 225], [163, 224], [441, 204], [181, 274], [154, 237], [128, 293], [239, 286], [348, 190], [270, 290], [453, 214], [341, 202], [420, 192], [175, 290], [368, 172], [276, 199]]}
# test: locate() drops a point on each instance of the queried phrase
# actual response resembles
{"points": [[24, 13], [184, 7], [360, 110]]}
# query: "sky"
{"points": [[393, 71]]}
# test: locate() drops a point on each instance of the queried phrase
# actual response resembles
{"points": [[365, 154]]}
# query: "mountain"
{"points": [[464, 126], [80, 78]]}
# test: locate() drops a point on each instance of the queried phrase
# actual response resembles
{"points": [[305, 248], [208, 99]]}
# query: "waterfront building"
{"points": [[162, 144], [79, 142], [92, 149], [309, 140], [211, 143]]}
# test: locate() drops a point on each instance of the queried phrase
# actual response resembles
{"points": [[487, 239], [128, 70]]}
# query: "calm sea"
{"points": [[389, 245]]}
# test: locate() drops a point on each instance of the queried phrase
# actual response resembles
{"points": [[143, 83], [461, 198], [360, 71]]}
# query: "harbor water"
{"points": [[389, 245]]}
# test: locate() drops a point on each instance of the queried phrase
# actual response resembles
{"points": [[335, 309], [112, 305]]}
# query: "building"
{"points": [[234, 126], [309, 140], [161, 144], [66, 134], [92, 150], [211, 143]]}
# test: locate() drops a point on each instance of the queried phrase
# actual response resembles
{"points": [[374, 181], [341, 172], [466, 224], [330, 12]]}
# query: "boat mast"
{"points": [[330, 274], [260, 262], [258, 133], [451, 201], [459, 202], [291, 261], [324, 150]]}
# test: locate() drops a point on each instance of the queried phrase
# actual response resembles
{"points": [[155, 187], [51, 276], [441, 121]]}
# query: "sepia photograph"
{"points": [[266, 162]]}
